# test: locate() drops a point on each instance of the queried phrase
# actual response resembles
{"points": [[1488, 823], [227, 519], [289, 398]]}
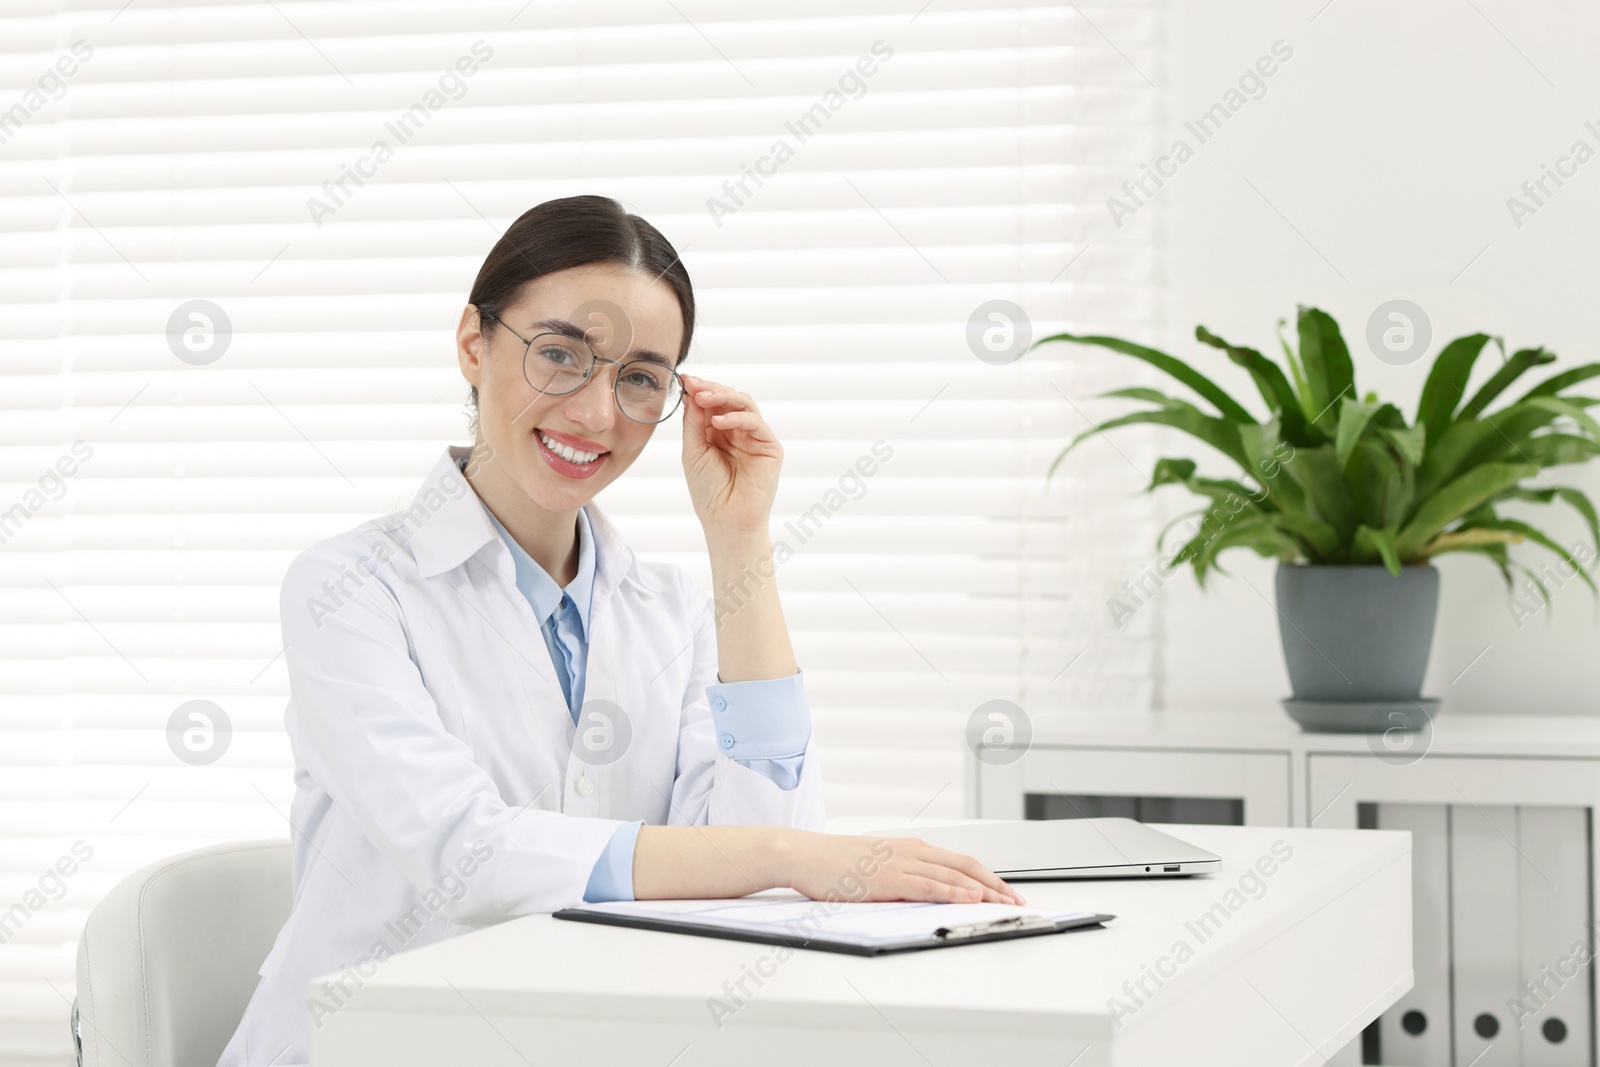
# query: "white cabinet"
{"points": [[1500, 809]]}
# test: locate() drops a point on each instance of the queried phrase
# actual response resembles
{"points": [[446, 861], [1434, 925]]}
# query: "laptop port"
{"points": [[1169, 870]]}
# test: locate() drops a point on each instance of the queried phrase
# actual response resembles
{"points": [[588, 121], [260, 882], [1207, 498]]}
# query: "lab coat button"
{"points": [[583, 787], [727, 740], [720, 703]]}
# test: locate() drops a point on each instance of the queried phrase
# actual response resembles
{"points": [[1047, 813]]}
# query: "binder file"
{"points": [[1484, 878], [1552, 1022], [1415, 1032]]}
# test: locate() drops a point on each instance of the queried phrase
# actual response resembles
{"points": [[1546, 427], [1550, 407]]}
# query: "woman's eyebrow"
{"points": [[568, 329], [562, 327]]}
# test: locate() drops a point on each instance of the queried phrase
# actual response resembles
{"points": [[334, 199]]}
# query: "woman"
{"points": [[496, 709]]}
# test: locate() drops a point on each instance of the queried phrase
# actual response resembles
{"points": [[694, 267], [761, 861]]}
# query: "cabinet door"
{"points": [[1416, 1031], [1483, 931], [1552, 1017]]}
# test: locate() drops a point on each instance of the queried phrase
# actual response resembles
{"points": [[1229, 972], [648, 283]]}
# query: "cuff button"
{"points": [[727, 740]]}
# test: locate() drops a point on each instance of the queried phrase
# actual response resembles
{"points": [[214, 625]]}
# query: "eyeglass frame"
{"points": [[527, 346]]}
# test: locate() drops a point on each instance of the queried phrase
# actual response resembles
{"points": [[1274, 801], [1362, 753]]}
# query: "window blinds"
{"points": [[236, 238]]}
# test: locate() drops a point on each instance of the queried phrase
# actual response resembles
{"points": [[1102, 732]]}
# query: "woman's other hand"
{"points": [[731, 459]]}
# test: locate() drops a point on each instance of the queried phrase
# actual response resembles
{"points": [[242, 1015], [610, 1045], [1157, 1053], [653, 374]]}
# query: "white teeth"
{"points": [[566, 452]]}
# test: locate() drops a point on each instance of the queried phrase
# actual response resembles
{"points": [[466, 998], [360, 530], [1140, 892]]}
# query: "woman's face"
{"points": [[622, 314]]}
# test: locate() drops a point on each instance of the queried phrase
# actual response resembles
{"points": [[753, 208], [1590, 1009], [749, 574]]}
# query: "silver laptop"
{"points": [[1039, 850]]}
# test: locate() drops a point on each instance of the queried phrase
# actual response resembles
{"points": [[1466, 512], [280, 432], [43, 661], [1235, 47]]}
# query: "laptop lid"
{"points": [[1066, 848]]}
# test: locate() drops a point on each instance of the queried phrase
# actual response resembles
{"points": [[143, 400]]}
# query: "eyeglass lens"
{"points": [[646, 391]]}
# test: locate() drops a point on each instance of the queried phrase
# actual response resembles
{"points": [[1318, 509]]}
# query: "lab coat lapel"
{"points": [[604, 732], [538, 726]]}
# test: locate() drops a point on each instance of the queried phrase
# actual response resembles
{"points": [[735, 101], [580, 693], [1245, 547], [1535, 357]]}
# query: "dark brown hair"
{"points": [[575, 231]]}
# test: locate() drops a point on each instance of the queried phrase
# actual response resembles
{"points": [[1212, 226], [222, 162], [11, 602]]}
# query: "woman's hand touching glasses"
{"points": [[731, 459]]}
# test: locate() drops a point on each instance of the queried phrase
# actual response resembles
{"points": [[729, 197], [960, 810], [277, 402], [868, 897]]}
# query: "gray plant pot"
{"points": [[1356, 635]]}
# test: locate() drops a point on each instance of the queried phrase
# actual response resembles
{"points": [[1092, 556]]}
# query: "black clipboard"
{"points": [[943, 937]]}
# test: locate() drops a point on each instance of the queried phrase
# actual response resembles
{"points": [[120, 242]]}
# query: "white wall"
{"points": [[1391, 141]]}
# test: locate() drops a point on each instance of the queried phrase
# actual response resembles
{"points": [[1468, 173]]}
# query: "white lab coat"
{"points": [[436, 784]]}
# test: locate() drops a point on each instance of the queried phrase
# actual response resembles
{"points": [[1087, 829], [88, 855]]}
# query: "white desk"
{"points": [[1288, 977]]}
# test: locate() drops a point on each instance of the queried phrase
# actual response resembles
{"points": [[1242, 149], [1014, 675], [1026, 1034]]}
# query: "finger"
{"points": [[971, 867], [713, 394], [951, 876], [748, 421], [955, 877], [696, 428], [916, 887]]}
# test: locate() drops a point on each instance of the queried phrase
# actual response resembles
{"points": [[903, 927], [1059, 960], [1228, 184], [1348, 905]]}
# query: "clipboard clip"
{"points": [[1007, 925]]}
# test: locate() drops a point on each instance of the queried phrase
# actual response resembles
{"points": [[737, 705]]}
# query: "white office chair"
{"points": [[168, 959]]}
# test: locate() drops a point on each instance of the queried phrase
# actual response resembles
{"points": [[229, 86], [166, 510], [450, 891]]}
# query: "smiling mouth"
{"points": [[567, 460]]}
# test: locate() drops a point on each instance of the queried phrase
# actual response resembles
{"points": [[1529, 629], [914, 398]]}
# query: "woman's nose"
{"points": [[592, 407]]}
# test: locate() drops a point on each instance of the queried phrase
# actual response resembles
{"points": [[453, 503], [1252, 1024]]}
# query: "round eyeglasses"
{"points": [[646, 390]]}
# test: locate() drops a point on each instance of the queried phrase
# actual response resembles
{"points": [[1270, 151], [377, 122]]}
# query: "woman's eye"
{"points": [[642, 380], [557, 354]]}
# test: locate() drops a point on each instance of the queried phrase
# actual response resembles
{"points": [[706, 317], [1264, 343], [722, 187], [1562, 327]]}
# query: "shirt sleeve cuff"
{"points": [[764, 719], [612, 876]]}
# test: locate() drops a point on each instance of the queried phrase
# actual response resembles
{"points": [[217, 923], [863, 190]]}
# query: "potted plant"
{"points": [[1354, 501]]}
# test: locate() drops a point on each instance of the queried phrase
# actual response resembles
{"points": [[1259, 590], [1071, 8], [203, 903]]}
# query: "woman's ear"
{"points": [[470, 344]]}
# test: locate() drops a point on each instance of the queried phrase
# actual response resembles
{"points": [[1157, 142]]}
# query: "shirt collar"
{"points": [[537, 585], [447, 524]]}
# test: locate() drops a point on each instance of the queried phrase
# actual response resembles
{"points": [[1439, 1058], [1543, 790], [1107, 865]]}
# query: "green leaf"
{"points": [[1518, 421], [1411, 442], [1544, 590], [1226, 406], [1259, 533], [1328, 497], [1171, 472], [1388, 415], [1329, 373], [1161, 538], [1559, 406], [1557, 382], [1223, 436], [1371, 545], [1319, 542], [1383, 484], [1557, 449], [1294, 369], [1447, 452], [1574, 497], [1520, 362], [1139, 392], [1467, 534], [1353, 418], [1447, 383], [1217, 490], [1189, 552], [1455, 499], [1539, 537], [1265, 454], [1274, 388], [1504, 435]]}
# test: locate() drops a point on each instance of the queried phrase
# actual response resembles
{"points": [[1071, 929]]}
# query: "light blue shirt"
{"points": [[763, 725]]}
